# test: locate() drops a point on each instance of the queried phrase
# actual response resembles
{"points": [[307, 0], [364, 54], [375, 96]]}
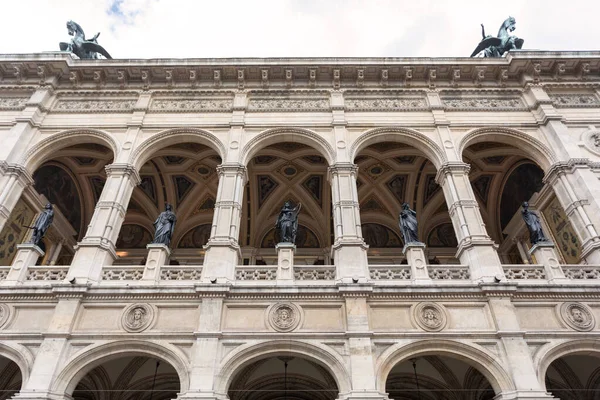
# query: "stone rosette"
{"points": [[4, 314], [138, 317], [577, 316], [284, 317], [430, 316]]}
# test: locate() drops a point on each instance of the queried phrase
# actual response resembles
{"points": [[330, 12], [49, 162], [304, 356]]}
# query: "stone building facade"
{"points": [[350, 313]]}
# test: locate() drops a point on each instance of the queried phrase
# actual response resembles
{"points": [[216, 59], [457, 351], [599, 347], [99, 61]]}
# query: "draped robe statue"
{"points": [[408, 224], [41, 225], [536, 234], [165, 225], [287, 222]]}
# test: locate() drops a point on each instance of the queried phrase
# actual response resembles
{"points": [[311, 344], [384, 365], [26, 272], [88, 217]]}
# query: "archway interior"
{"points": [[390, 174], [129, 378], [185, 176], [502, 178], [10, 378], [437, 377], [71, 179], [574, 377], [280, 172], [268, 379]]}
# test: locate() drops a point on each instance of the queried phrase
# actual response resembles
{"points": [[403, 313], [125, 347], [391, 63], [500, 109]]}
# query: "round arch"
{"points": [[538, 151], [82, 363], [147, 148], [550, 353], [20, 355], [294, 135], [36, 155], [485, 363], [404, 135], [246, 355]]}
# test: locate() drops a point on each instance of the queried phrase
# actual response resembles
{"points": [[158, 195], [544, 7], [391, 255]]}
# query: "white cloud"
{"points": [[296, 28]]}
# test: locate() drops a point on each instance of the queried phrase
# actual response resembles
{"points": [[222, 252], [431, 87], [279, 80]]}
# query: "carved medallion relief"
{"points": [[430, 316], [138, 317], [577, 316], [4, 314], [284, 317]]}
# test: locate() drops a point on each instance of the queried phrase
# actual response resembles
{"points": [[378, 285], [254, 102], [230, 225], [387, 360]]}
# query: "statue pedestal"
{"points": [[158, 255], [285, 261], [27, 256], [415, 256], [545, 253]]}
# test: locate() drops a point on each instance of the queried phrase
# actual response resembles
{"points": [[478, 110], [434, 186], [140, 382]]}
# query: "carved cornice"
{"points": [[562, 167], [450, 167], [17, 170], [342, 169]]}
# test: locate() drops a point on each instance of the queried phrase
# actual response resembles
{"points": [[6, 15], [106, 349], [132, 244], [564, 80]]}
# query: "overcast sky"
{"points": [[296, 28]]}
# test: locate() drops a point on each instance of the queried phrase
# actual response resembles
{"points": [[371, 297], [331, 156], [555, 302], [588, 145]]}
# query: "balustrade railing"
{"points": [[123, 273], [524, 271], [314, 273], [581, 271], [47, 273], [180, 273], [254, 273], [449, 272], [4, 272], [390, 272]]}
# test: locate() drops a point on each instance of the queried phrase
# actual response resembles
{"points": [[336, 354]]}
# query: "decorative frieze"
{"points": [[574, 100], [95, 105], [13, 103], [288, 105], [386, 104], [484, 104], [191, 105]]}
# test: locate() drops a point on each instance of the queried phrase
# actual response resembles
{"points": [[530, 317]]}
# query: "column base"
{"points": [[27, 256], [415, 256], [545, 253], [363, 396], [524, 395], [90, 257], [350, 259], [220, 260], [40, 396], [192, 395], [158, 256], [482, 258], [285, 261]]}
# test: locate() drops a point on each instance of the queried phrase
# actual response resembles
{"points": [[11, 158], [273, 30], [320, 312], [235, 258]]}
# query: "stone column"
{"points": [[475, 248], [561, 176], [14, 179], [514, 348], [97, 249], [349, 250], [222, 250]]}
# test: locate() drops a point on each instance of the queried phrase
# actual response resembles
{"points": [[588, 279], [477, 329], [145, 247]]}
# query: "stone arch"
{"points": [[397, 134], [538, 151], [20, 355], [247, 354], [485, 363], [36, 155], [147, 148], [82, 363], [550, 353], [295, 135]]}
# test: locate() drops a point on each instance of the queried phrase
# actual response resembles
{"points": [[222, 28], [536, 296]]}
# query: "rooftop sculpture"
{"points": [[496, 46], [80, 46]]}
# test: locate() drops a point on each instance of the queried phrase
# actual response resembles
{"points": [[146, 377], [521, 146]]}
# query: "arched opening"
{"points": [[129, 378], [574, 377], [503, 176], [10, 378], [71, 178], [391, 173], [283, 377], [277, 173], [434, 377], [185, 176]]}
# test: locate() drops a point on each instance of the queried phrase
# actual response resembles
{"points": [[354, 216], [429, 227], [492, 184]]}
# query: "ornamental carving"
{"points": [[138, 317], [484, 104], [12, 103], [578, 316], [284, 317], [430, 316], [179, 105], [591, 140], [4, 314], [385, 104], [574, 100], [288, 104], [95, 105]]}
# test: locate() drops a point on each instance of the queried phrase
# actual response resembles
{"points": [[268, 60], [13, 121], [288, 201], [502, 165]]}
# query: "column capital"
{"points": [[232, 168], [129, 170], [17, 170], [341, 168], [449, 167], [562, 167]]}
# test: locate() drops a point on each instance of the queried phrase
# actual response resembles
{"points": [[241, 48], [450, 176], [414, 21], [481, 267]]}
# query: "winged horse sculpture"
{"points": [[82, 47]]}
